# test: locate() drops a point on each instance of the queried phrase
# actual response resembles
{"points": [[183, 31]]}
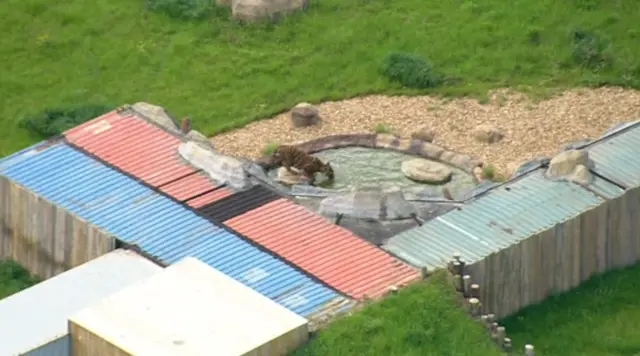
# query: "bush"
{"points": [[589, 50], [53, 122], [411, 71], [183, 9], [270, 148], [383, 129]]}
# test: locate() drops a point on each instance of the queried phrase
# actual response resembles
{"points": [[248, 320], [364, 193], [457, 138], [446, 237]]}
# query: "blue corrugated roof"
{"points": [[616, 157], [494, 221], [161, 227]]}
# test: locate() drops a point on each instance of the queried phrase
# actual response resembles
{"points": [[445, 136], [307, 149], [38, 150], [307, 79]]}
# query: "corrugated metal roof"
{"points": [[38, 315], [494, 221], [616, 157], [330, 252], [145, 151], [210, 313], [136, 214], [239, 203]]}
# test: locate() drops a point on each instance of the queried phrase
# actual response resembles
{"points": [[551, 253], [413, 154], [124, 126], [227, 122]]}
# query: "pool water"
{"points": [[358, 167]]}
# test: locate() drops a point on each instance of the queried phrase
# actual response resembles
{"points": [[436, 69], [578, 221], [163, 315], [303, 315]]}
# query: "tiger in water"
{"points": [[290, 156]]}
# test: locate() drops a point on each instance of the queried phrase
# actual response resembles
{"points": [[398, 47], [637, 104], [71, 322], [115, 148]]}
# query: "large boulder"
{"points": [[572, 165], [426, 171], [488, 133], [305, 114], [257, 10], [201, 139], [158, 115], [221, 168]]}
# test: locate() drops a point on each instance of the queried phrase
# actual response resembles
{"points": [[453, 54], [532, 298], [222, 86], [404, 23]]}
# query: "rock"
{"points": [[304, 115], [221, 168], [287, 177], [361, 204], [565, 162], [487, 134], [256, 10], [395, 206], [158, 115], [426, 171], [581, 175], [201, 139], [478, 173], [425, 135], [572, 165]]}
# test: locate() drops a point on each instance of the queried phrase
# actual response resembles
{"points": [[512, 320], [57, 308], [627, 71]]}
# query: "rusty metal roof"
{"points": [[99, 194], [147, 152], [331, 253]]}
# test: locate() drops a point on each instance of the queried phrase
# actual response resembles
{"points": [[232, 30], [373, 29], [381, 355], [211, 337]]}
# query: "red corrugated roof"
{"points": [[146, 152], [330, 252]]}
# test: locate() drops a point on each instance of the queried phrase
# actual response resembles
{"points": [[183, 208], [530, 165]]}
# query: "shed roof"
{"points": [[192, 309], [138, 215], [616, 156], [333, 254], [39, 314], [497, 219], [147, 152]]}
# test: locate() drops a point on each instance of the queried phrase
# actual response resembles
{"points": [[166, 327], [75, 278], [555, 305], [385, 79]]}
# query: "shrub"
{"points": [[270, 148], [53, 122], [383, 129], [411, 71], [183, 9], [589, 50]]}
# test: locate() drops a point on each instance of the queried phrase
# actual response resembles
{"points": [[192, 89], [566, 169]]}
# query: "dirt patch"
{"points": [[531, 129]]}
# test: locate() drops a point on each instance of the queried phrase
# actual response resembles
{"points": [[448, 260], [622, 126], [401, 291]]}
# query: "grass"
{"points": [[421, 320], [13, 278], [224, 74], [270, 148], [600, 318]]}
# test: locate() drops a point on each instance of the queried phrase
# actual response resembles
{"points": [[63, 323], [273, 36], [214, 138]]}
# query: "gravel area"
{"points": [[531, 129]]}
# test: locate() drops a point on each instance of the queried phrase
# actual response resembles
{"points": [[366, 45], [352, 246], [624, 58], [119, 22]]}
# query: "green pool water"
{"points": [[357, 167]]}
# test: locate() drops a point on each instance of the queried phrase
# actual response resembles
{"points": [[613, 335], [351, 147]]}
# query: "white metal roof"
{"points": [[39, 314], [189, 309]]}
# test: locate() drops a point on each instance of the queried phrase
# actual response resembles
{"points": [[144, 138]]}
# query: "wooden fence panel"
{"points": [[5, 219]]}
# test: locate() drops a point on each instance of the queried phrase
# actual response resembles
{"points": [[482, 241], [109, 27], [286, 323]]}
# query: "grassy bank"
{"points": [[13, 278], [421, 320], [223, 74], [600, 318]]}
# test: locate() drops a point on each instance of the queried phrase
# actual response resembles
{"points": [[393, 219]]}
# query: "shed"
{"points": [[330, 252], [133, 213], [496, 219], [34, 321], [147, 151], [616, 156], [188, 309]]}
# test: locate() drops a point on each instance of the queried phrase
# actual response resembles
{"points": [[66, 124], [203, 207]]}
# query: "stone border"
{"points": [[391, 142]]}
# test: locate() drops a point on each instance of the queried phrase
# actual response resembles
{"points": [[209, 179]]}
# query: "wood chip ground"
{"points": [[532, 129]]}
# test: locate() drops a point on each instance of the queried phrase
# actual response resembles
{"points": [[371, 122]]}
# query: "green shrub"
{"points": [[270, 148], [411, 71], [589, 50], [53, 122], [383, 129], [183, 9]]}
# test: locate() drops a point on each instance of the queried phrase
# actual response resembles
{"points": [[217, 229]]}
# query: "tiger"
{"points": [[290, 156]]}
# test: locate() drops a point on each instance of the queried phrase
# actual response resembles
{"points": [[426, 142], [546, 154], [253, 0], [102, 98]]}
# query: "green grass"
{"points": [[223, 74], [13, 278], [421, 320], [600, 318]]}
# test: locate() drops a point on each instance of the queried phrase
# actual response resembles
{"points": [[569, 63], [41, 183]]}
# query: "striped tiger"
{"points": [[290, 156]]}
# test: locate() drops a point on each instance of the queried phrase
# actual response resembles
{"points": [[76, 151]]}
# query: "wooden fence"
{"points": [[42, 237], [560, 258]]}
